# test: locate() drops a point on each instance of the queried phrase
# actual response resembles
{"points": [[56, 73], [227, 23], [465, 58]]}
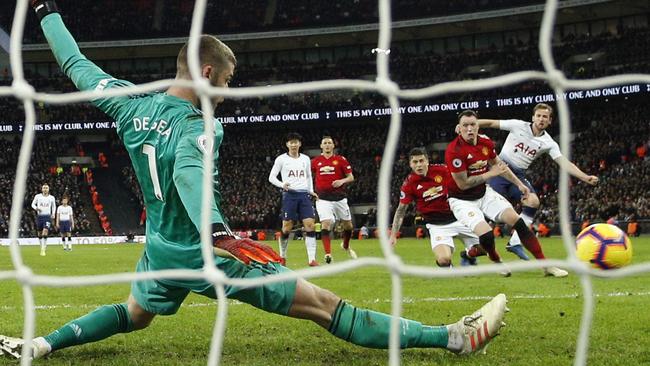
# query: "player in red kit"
{"points": [[427, 186], [332, 173], [471, 159]]}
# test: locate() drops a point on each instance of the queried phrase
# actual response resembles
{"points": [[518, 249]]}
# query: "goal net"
{"points": [[384, 85]]}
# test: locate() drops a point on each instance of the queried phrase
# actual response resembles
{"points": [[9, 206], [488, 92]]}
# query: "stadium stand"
{"points": [[136, 20], [247, 156]]}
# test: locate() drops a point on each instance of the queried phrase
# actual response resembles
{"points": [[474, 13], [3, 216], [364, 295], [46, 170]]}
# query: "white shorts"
{"points": [[471, 213], [444, 235], [333, 210]]}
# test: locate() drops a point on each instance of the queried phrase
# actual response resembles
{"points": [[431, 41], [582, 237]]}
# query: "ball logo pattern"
{"points": [[604, 246]]}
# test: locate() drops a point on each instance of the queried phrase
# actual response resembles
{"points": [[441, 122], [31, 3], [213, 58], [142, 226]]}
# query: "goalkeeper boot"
{"points": [[555, 272], [473, 332], [518, 250], [13, 347]]}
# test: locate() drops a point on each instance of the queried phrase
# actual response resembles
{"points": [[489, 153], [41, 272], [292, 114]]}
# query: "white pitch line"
{"points": [[406, 300]]}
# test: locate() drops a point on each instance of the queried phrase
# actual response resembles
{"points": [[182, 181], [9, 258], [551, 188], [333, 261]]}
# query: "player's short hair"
{"points": [[45, 184], [467, 113], [327, 137], [211, 51], [544, 106], [417, 151], [293, 136]]}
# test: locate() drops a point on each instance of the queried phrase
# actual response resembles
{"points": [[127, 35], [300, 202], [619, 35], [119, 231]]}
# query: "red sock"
{"points": [[476, 251], [327, 244], [528, 239], [347, 234]]}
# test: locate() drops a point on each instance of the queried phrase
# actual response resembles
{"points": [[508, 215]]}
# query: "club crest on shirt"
{"points": [[437, 179], [335, 162], [202, 142], [485, 151]]}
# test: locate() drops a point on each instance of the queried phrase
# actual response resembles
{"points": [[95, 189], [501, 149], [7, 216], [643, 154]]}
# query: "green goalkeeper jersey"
{"points": [[164, 137]]}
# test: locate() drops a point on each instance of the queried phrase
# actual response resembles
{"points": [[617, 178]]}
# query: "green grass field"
{"points": [[542, 326]]}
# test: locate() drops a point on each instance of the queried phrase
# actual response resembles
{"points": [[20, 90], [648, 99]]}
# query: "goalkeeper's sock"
{"points": [[371, 329], [347, 234], [327, 243], [284, 243], [310, 243], [529, 239], [100, 324]]}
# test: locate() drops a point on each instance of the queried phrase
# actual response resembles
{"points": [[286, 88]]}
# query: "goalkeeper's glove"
{"points": [[44, 7], [244, 250]]}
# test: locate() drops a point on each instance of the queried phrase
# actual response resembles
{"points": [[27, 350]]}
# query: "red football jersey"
{"points": [[461, 156], [327, 170], [430, 194]]}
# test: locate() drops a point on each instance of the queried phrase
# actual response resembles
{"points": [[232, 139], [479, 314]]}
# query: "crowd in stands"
{"points": [[141, 19], [617, 155], [609, 140], [626, 51]]}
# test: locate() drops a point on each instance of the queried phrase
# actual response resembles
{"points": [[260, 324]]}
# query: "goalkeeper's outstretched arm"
{"points": [[83, 73]]}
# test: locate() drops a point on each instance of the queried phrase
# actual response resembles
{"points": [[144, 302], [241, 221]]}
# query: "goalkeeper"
{"points": [[163, 134]]}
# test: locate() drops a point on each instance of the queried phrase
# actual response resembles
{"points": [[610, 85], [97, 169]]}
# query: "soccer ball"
{"points": [[604, 246]]}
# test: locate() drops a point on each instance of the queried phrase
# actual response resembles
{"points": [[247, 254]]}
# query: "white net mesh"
{"points": [[384, 85]]}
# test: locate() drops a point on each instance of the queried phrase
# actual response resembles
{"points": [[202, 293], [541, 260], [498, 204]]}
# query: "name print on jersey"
{"points": [[144, 124]]}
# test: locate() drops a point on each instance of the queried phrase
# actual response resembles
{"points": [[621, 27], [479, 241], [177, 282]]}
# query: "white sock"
{"points": [[514, 240], [455, 339], [310, 243], [42, 347], [43, 244], [284, 243]]}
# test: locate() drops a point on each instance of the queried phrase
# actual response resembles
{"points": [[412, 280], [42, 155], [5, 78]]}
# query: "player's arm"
{"points": [[188, 170], [310, 180], [273, 176], [349, 178], [83, 73], [398, 219], [71, 219], [498, 165], [464, 182], [575, 171], [58, 216], [489, 123]]}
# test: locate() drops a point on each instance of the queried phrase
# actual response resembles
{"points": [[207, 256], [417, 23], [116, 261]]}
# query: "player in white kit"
{"points": [[297, 191], [526, 142], [45, 206], [65, 222]]}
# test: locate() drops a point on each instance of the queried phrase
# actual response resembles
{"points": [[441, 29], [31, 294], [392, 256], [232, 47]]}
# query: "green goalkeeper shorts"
{"points": [[164, 297]]}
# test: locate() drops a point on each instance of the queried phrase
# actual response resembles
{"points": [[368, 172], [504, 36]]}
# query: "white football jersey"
{"points": [[44, 205], [295, 171], [64, 212], [521, 147]]}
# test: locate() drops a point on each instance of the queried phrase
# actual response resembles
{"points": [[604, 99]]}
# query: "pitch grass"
{"points": [[542, 327]]}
